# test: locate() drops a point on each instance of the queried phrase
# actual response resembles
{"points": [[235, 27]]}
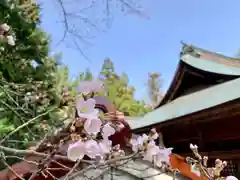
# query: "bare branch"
{"points": [[83, 19], [11, 169]]}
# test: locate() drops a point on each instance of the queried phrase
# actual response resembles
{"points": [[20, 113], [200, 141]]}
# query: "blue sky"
{"points": [[138, 46]]}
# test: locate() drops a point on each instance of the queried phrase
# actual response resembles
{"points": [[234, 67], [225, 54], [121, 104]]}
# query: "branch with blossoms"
{"points": [[199, 166], [86, 142], [87, 137]]}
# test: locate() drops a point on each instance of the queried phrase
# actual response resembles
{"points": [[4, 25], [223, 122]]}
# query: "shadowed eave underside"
{"points": [[184, 105]]}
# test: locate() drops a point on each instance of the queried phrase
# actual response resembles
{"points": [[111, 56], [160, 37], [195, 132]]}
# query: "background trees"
{"points": [[120, 93], [154, 88], [34, 87], [27, 74]]}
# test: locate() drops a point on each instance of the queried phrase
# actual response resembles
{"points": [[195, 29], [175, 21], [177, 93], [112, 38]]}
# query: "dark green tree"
{"points": [[27, 75]]}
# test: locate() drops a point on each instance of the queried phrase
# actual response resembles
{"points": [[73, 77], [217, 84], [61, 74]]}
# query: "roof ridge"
{"points": [[192, 49]]}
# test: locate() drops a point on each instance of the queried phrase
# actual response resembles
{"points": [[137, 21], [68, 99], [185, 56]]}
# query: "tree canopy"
{"points": [[34, 89], [27, 73]]}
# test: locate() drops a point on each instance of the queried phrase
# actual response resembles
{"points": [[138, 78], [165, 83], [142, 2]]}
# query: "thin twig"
{"points": [[16, 157], [12, 170], [73, 169], [26, 124]]}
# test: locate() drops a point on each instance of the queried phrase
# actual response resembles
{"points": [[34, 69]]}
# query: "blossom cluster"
{"points": [[90, 133], [199, 166], [5, 34], [145, 144]]}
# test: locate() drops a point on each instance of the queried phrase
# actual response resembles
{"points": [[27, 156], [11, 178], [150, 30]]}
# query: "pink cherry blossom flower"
{"points": [[92, 126], [90, 86], [93, 149], [155, 134], [231, 178], [193, 146], [151, 152], [105, 146], [107, 131], [76, 151], [138, 142], [86, 109], [163, 155]]}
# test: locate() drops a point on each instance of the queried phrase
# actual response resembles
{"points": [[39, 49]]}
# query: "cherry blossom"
{"points": [[163, 155], [93, 149], [231, 178], [92, 126], [137, 144], [154, 135], [86, 109], [105, 146], [152, 150], [90, 86], [76, 151], [193, 146], [107, 130]]}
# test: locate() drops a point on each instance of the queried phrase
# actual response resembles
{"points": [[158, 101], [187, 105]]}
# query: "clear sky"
{"points": [[138, 46]]}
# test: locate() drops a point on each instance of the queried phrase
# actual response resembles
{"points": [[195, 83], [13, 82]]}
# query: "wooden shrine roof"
{"points": [[191, 103], [210, 66], [206, 61]]}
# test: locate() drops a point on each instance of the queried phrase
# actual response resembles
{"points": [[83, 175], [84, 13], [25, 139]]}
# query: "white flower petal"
{"points": [[145, 137], [105, 146], [92, 149], [92, 126], [97, 86], [90, 104], [107, 130], [152, 150], [80, 103], [231, 178], [191, 146], [76, 151], [90, 86], [155, 136], [84, 87]]}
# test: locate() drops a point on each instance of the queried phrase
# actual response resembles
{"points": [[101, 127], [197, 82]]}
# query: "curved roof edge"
{"points": [[210, 66], [188, 48], [204, 60], [226, 92]]}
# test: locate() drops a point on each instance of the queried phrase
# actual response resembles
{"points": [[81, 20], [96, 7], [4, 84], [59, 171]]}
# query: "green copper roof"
{"points": [[210, 66], [202, 60], [189, 48], [191, 103]]}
